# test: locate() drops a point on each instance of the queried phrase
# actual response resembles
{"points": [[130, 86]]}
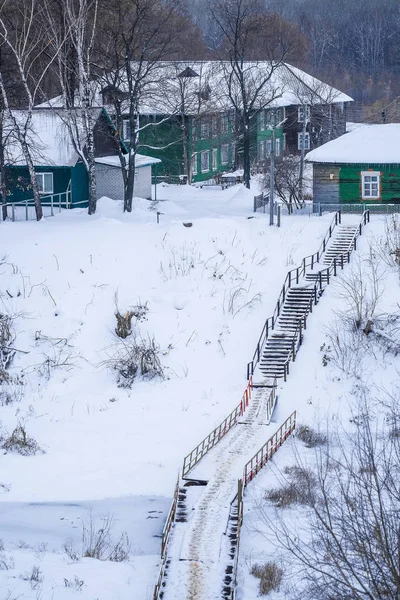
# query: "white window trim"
{"points": [[277, 147], [299, 113], [307, 138], [376, 174], [214, 160], [208, 161], [45, 192], [262, 120], [194, 164], [223, 161]]}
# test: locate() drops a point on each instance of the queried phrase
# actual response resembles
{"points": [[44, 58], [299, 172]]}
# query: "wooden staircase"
{"points": [[280, 345]]}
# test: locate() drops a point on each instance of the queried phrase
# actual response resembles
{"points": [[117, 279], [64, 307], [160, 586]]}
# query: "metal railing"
{"points": [[261, 457], [239, 498], [217, 434], [260, 201], [53, 202], [356, 207], [293, 277], [164, 542]]}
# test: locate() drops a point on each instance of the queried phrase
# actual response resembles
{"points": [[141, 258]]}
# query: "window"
{"points": [[126, 130], [194, 164], [277, 147], [205, 161], [214, 127], [214, 159], [45, 182], [262, 120], [370, 184], [300, 141], [224, 154], [204, 130], [300, 113], [224, 124]]}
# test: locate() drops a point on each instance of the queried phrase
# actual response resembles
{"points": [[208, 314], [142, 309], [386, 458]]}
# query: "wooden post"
{"points": [[278, 222]]}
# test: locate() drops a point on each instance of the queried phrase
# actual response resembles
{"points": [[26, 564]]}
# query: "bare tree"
{"points": [[140, 35], [23, 35], [73, 31], [250, 86], [347, 542]]}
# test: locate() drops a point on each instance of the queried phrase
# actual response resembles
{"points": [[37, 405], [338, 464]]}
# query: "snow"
{"points": [[140, 161], [114, 449], [370, 144], [48, 138], [208, 289]]}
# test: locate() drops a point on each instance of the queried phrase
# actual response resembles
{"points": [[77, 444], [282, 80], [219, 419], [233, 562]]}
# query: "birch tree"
{"points": [[73, 26], [24, 35]]}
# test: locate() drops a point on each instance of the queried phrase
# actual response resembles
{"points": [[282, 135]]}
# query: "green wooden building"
{"points": [[188, 118], [362, 166]]}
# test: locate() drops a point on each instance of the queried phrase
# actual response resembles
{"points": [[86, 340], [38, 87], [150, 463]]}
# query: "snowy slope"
{"points": [[207, 287]]}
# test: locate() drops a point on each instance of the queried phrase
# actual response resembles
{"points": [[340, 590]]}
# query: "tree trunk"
{"points": [[246, 156], [91, 168], [129, 187], [32, 176], [3, 187]]}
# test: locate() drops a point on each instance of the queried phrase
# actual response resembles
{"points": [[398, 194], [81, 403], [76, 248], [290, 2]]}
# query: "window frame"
{"points": [[202, 154], [277, 146], [307, 137], [41, 175], [262, 120], [224, 123], [214, 159], [194, 164], [300, 108], [224, 162], [204, 130], [365, 174]]}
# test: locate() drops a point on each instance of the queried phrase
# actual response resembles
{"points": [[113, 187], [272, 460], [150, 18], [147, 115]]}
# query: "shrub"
{"points": [[270, 576], [298, 490], [135, 358], [310, 437], [98, 543], [19, 441]]}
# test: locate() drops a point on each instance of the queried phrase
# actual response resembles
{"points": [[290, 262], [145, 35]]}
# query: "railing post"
{"points": [[341, 260], [290, 278], [315, 294], [258, 352], [355, 244], [279, 216], [26, 211], [320, 280], [334, 266], [297, 275], [52, 205], [327, 275], [13, 211], [59, 203], [283, 292], [360, 228], [320, 209], [323, 245], [330, 231], [304, 265], [340, 216]]}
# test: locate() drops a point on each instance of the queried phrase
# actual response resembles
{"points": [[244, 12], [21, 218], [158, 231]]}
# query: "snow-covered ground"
{"points": [[207, 289]]}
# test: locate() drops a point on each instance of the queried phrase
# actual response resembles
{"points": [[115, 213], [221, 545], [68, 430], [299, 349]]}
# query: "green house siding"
{"points": [[163, 141], [79, 186], [350, 182], [19, 187]]}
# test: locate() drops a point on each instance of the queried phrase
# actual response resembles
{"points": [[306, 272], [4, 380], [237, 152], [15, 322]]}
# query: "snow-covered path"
{"points": [[197, 550]]}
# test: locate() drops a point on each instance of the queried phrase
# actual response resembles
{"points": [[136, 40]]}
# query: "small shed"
{"points": [[362, 165], [109, 178]]}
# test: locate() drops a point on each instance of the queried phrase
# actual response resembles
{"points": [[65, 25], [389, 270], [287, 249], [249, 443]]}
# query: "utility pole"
{"points": [[272, 171], [302, 151]]}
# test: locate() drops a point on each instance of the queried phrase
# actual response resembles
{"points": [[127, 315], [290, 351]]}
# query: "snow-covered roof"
{"points": [[368, 144], [140, 161], [203, 85], [48, 138]]}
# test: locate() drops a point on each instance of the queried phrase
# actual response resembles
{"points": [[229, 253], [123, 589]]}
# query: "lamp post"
{"points": [[272, 171]]}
